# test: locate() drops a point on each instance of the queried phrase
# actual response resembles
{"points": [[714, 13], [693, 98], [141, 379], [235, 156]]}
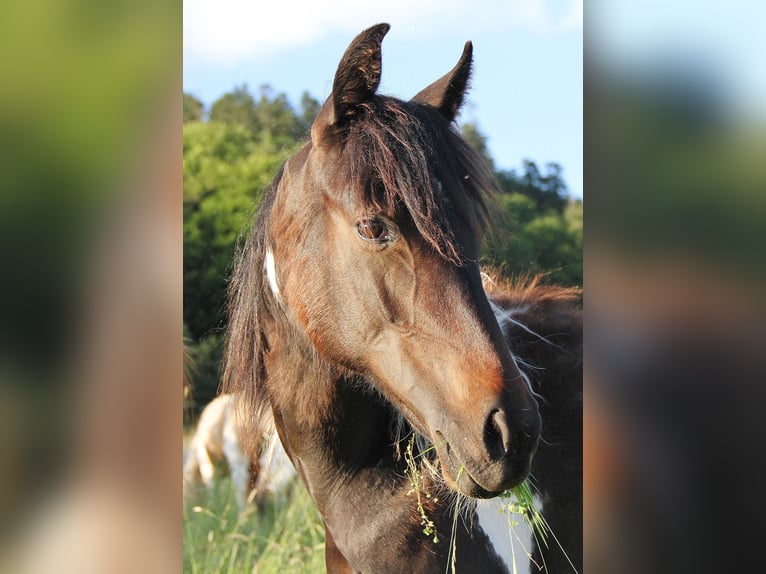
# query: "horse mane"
{"points": [[405, 154], [245, 344], [526, 289]]}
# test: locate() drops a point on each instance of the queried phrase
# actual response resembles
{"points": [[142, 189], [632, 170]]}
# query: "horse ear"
{"points": [[446, 94], [356, 80]]}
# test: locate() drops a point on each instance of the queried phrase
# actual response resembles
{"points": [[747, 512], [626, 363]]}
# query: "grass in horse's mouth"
{"points": [[519, 504], [418, 488]]}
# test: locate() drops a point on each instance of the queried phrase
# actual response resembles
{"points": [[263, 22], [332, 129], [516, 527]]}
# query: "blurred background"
{"points": [[90, 288], [675, 110], [99, 134]]}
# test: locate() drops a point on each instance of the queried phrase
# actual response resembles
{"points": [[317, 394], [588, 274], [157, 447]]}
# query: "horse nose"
{"points": [[500, 437]]}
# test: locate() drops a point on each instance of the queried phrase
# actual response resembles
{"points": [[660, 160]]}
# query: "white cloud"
{"points": [[226, 31]]}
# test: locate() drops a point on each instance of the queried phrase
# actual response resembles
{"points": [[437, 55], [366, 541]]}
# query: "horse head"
{"points": [[373, 248]]}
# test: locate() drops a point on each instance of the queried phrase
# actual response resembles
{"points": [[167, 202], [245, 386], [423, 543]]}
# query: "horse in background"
{"points": [[359, 321], [217, 440]]}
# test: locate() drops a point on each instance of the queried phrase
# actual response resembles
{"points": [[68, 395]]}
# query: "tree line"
{"points": [[231, 152]]}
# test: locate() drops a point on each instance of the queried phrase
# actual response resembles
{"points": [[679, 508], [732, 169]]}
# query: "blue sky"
{"points": [[527, 84]]}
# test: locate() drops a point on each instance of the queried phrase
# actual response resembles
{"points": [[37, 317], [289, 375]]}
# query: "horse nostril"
{"points": [[497, 434]]}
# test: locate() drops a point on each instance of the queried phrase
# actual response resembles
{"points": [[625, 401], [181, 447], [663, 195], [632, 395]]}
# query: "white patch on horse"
{"points": [[271, 273], [514, 544]]}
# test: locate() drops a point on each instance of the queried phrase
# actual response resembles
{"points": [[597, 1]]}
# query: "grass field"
{"points": [[283, 537]]}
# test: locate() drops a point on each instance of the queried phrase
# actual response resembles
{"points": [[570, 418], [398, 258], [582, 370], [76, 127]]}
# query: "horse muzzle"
{"points": [[499, 459]]}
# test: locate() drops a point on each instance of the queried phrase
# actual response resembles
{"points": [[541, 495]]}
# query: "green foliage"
{"points": [[418, 487], [309, 110], [519, 505], [276, 122], [270, 118], [194, 109], [282, 536], [548, 190], [538, 229], [235, 108], [228, 163]]}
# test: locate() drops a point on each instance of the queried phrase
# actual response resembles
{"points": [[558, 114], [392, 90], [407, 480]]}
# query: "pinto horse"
{"points": [[258, 476], [358, 319]]}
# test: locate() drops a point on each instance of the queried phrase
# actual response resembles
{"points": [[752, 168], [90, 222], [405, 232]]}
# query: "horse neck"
{"points": [[328, 419]]}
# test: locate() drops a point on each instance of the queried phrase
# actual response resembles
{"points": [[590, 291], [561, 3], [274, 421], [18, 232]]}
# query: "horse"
{"points": [[217, 438], [359, 321]]}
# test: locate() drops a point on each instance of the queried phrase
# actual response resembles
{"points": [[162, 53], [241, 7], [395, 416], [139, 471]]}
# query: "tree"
{"points": [[194, 109], [275, 120], [527, 241], [538, 228], [235, 108], [549, 191], [226, 169], [271, 119], [228, 162]]}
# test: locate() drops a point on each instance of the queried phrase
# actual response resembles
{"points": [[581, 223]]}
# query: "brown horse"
{"points": [[358, 318]]}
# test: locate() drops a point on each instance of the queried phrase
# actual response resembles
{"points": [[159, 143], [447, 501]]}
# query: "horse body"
{"points": [[358, 319]]}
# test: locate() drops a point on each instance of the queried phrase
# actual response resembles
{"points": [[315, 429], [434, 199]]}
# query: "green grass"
{"points": [[285, 536]]}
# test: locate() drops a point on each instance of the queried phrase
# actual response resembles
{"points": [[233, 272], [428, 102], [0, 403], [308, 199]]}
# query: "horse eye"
{"points": [[373, 229]]}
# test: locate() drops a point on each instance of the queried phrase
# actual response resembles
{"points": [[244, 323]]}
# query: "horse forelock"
{"points": [[403, 156]]}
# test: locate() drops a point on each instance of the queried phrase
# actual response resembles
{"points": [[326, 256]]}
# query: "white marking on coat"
{"points": [[514, 544], [271, 273]]}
